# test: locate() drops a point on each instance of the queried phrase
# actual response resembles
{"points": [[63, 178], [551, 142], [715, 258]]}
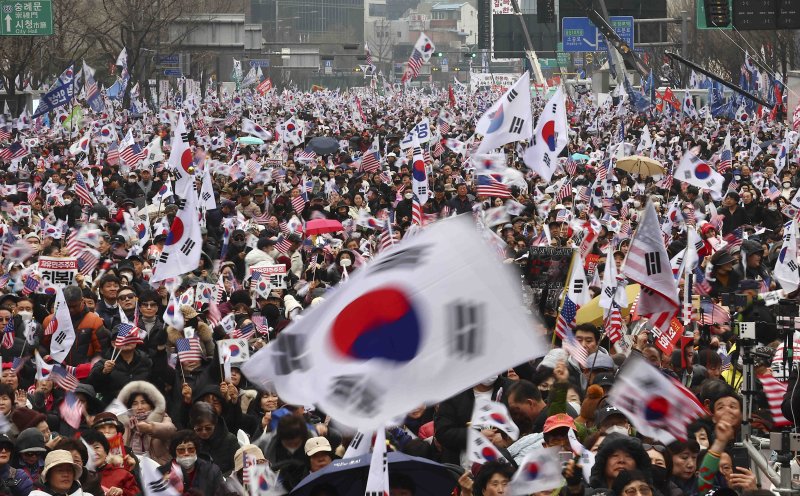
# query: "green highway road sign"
{"points": [[26, 18]]}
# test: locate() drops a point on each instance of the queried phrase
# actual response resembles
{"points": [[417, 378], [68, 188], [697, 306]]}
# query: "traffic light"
{"points": [[470, 55], [546, 11], [714, 14], [439, 54]]}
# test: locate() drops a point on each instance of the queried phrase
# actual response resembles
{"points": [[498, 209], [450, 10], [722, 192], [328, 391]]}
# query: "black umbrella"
{"points": [[349, 476], [324, 145]]}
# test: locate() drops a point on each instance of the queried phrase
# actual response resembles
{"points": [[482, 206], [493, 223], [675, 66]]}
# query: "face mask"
{"points": [[489, 380], [659, 474], [773, 207], [409, 196], [637, 203], [132, 181], [618, 429], [345, 262], [67, 202], [26, 316], [186, 462], [787, 185], [544, 394], [575, 405]]}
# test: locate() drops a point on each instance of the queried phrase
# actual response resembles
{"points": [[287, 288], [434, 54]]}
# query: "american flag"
{"points": [[574, 348], [308, 154], [71, 410], [775, 391], [773, 192], [624, 212], [299, 203], [127, 334], [34, 191], [386, 238], [571, 166], [734, 238], [246, 331], [63, 379], [283, 244], [84, 195], [488, 185], [260, 322], [16, 150], [371, 162], [416, 211], [31, 285], [87, 261], [369, 62], [733, 185], [614, 325], [5, 133], [189, 349], [438, 149], [566, 319], [112, 156], [444, 126], [17, 363], [584, 194], [8, 334], [132, 155], [230, 120], [415, 63], [564, 192], [725, 160], [666, 182]]}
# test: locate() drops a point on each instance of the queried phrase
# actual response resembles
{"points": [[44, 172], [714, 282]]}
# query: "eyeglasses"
{"points": [[126, 296], [644, 490], [185, 451], [661, 449]]}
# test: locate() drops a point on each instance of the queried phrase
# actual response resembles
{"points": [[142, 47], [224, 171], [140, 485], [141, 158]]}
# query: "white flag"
{"points": [[82, 145], [64, 335], [181, 157], [782, 158], [406, 317], [184, 241], [540, 470], [509, 119], [207, 199], [253, 129], [646, 142], [688, 105], [698, 172], [786, 269], [612, 289], [236, 349], [378, 478], [172, 314], [292, 131], [549, 138], [480, 449], [578, 286], [419, 174]]}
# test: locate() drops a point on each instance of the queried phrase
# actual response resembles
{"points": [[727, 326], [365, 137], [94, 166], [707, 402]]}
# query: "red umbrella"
{"points": [[321, 226]]}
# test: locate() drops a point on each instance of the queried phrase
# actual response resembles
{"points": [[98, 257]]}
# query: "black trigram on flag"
{"points": [[512, 95], [516, 125], [355, 393], [206, 196], [180, 202], [466, 328], [357, 439], [164, 257], [187, 247], [158, 486], [185, 137], [408, 257], [652, 261], [60, 337], [288, 348]]}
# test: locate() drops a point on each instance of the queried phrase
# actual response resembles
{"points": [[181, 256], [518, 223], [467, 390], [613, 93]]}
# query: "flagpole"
{"points": [[564, 290]]}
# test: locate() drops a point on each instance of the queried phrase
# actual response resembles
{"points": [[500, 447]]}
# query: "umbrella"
{"points": [[643, 166], [324, 145], [591, 312], [250, 140], [321, 226], [349, 476], [580, 156]]}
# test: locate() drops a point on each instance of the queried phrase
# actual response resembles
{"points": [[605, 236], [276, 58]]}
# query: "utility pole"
{"points": [[530, 52]]}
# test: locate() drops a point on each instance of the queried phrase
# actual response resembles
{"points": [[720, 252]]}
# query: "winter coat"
{"points": [[17, 480], [45, 490], [612, 443], [451, 420], [221, 446], [156, 444], [206, 477], [113, 476], [110, 315], [201, 330], [91, 337], [109, 385]]}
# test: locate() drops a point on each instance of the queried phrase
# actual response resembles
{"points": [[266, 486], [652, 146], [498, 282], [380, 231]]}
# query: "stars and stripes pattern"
{"points": [[371, 162], [8, 334], [82, 190], [132, 154], [775, 391], [417, 215], [63, 379], [489, 185], [31, 285], [564, 192], [614, 325], [87, 261], [128, 334], [566, 319], [725, 160], [734, 238], [245, 332], [574, 348], [299, 204], [189, 349], [571, 166]]}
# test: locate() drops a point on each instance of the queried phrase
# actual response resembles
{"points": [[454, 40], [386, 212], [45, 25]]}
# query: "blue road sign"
{"points": [[259, 63], [173, 72], [578, 34], [171, 59]]}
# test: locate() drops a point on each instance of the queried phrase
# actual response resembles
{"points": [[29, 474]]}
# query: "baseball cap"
{"points": [[606, 412], [604, 379], [558, 420], [317, 444], [598, 361]]}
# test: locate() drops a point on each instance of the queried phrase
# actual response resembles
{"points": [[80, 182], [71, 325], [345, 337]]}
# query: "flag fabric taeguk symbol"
{"points": [[407, 316], [540, 470]]}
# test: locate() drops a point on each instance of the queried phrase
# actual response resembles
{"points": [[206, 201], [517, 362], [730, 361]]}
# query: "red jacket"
{"points": [[113, 476]]}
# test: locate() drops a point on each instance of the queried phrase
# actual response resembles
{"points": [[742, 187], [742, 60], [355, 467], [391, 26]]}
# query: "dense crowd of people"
{"points": [[85, 423]]}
